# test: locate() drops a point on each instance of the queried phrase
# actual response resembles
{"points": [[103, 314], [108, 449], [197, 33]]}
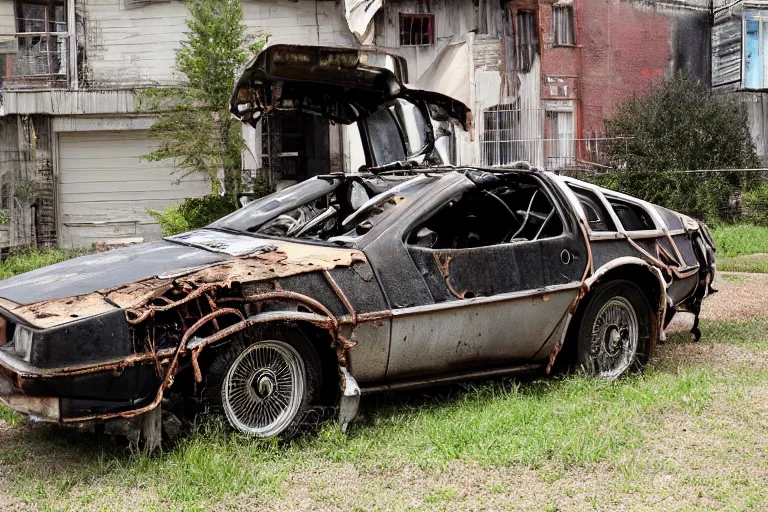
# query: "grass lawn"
{"points": [[741, 248], [689, 433]]}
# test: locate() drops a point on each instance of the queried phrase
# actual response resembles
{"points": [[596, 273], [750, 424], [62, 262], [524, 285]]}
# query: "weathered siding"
{"points": [[299, 22], [7, 20], [727, 45], [129, 47], [453, 19]]}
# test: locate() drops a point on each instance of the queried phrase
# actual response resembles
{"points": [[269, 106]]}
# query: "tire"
{"points": [[265, 383], [614, 335]]}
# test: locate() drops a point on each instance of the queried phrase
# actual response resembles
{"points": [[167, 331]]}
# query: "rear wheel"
{"points": [[615, 331], [264, 388]]}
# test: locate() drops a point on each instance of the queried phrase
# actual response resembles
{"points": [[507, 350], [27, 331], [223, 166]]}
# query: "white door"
{"points": [[105, 188]]}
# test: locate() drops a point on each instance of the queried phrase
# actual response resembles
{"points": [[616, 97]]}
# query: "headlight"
{"points": [[22, 343]]}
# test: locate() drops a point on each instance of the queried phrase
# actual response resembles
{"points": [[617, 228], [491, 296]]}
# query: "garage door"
{"points": [[105, 188]]}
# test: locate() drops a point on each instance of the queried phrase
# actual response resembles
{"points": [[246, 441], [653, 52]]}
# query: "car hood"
{"points": [[342, 84], [123, 278], [87, 274]]}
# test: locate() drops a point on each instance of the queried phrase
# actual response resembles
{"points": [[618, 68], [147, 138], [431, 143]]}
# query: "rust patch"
{"points": [[57, 312]]}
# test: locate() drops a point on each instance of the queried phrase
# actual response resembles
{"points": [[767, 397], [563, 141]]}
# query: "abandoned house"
{"points": [[539, 75]]}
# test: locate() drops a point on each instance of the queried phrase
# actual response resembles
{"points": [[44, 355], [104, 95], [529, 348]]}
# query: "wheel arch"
{"points": [[648, 279], [319, 331]]}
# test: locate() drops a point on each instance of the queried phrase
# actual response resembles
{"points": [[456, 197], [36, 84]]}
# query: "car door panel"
{"points": [[486, 305], [474, 332]]}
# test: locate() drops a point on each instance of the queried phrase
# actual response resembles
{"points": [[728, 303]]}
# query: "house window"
{"points": [[42, 55], [5, 196], [527, 40], [755, 46], [417, 29], [559, 141], [562, 25]]}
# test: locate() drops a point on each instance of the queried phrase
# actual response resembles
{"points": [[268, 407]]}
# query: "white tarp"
{"points": [[449, 73], [359, 14]]}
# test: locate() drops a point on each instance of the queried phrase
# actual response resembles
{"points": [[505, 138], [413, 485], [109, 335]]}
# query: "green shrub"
{"points": [[194, 213], [755, 206], [680, 127]]}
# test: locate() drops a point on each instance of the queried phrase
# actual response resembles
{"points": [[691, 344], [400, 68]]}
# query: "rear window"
{"points": [[632, 216], [597, 215]]}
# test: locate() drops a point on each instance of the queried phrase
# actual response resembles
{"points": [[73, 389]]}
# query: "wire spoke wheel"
{"points": [[263, 389], [614, 339]]}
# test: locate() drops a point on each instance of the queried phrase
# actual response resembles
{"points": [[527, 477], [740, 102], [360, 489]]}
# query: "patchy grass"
{"points": [[755, 263], [18, 263], [740, 240], [472, 446]]}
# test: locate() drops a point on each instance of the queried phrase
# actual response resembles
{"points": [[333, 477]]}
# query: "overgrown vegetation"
{"points": [[755, 205], [682, 126], [194, 213], [739, 240], [195, 129]]}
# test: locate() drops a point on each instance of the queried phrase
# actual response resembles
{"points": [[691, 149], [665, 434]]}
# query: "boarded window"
{"points": [[726, 46], [562, 25], [417, 29], [527, 40], [755, 46]]}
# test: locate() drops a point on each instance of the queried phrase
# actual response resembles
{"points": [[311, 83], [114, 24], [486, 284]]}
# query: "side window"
{"points": [[597, 215], [482, 218], [631, 216], [386, 139]]}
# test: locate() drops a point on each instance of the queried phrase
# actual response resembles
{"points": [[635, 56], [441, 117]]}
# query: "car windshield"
{"points": [[324, 208]]}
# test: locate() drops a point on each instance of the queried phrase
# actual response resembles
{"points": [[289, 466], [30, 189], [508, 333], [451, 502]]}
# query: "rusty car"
{"points": [[407, 273]]}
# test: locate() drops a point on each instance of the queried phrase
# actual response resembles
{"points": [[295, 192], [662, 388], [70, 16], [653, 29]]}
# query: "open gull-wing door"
{"points": [[344, 85]]}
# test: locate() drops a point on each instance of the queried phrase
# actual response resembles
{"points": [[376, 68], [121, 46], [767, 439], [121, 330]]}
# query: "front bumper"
{"points": [[71, 394]]}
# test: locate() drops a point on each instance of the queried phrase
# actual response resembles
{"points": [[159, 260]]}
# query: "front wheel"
{"points": [[615, 331], [264, 388]]}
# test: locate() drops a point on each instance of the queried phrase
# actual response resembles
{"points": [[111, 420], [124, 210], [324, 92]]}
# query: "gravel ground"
{"points": [[740, 296]]}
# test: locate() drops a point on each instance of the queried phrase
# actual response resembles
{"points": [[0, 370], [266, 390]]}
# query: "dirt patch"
{"points": [[740, 296], [739, 299]]}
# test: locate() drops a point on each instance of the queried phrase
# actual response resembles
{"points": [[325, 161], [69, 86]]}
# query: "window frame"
{"points": [[51, 37], [752, 7], [412, 16], [458, 194], [533, 47], [571, 21]]}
